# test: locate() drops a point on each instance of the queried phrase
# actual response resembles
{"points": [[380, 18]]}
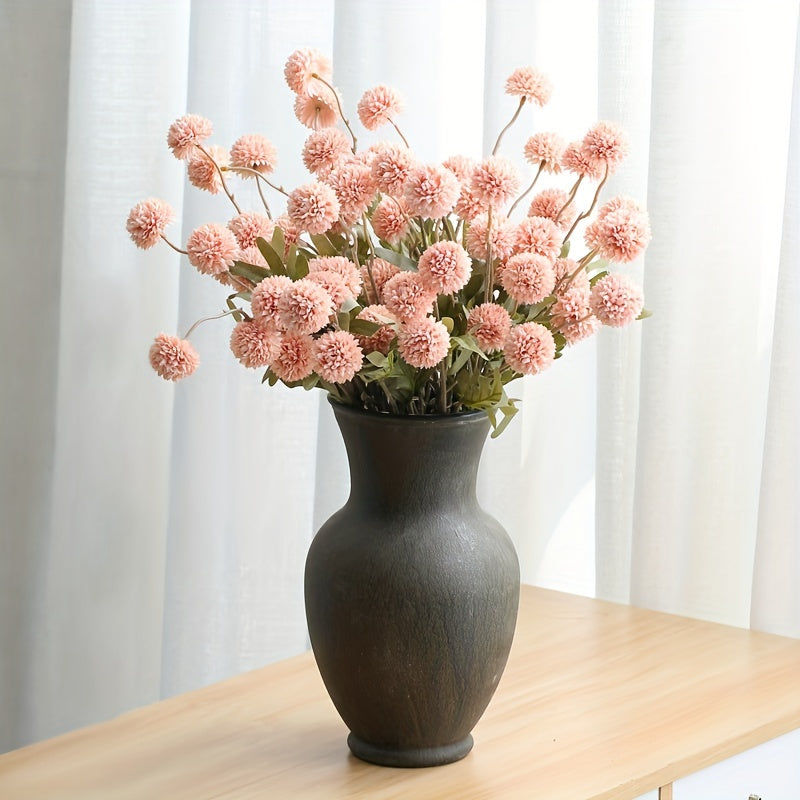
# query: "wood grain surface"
{"points": [[599, 702]]}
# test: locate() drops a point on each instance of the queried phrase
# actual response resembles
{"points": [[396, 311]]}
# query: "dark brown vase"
{"points": [[411, 589]]}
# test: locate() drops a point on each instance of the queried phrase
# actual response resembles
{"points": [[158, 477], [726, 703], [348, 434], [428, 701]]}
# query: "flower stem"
{"points": [[221, 176], [528, 190], [571, 197], [339, 105], [372, 252], [400, 133], [175, 247], [511, 122], [208, 319], [591, 207], [487, 295]]}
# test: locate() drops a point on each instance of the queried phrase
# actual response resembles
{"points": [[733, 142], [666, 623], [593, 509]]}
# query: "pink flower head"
{"points": [[529, 348], [147, 221], [390, 167], [444, 267], [576, 158], [378, 106], [528, 277], [212, 249], [407, 297], [620, 235], [569, 277], [431, 191], [503, 237], [304, 307], [265, 296], [291, 231], [202, 171], [354, 189], [469, 206], [318, 108], [313, 207], [489, 323], [173, 358], [187, 132], [381, 340], [531, 84], [342, 266], [607, 144], [301, 66], [545, 150], [295, 358], [460, 166], [389, 221], [337, 356], [249, 226], [381, 271], [423, 342], [616, 300], [333, 284], [494, 181], [253, 151], [572, 317], [323, 149], [552, 203], [254, 344], [616, 204], [539, 235]]}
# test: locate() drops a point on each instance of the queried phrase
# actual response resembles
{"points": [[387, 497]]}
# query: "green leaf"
{"points": [[296, 265], [508, 411], [467, 342], [343, 319], [252, 272], [596, 277], [377, 359], [278, 240], [362, 327], [273, 259], [324, 245], [237, 314], [398, 259], [310, 381], [448, 323], [565, 249], [645, 313]]}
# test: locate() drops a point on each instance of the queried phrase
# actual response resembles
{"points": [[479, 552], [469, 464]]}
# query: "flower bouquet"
{"points": [[399, 286]]}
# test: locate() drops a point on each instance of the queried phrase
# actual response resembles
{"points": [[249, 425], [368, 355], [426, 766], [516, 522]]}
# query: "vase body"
{"points": [[411, 589]]}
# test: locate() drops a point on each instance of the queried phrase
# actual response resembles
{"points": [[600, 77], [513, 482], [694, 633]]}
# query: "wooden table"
{"points": [[599, 701]]}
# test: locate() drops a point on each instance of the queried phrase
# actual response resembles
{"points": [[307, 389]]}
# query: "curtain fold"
{"points": [[152, 539]]}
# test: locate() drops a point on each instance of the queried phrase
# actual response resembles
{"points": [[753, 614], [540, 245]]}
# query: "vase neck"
{"points": [[412, 462]]}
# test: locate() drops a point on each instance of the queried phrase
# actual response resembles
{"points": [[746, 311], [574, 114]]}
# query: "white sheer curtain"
{"points": [[152, 539]]}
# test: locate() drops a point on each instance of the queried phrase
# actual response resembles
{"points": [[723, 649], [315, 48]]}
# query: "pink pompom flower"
{"points": [[295, 357], [503, 237], [147, 221], [254, 343], [621, 231], [444, 267], [313, 207], [494, 181], [390, 220], [304, 307], [252, 255], [490, 324], [390, 167], [378, 106], [460, 166], [568, 276], [529, 348], [431, 191], [407, 297], [616, 300], [531, 84], [528, 277], [607, 144], [301, 66], [202, 171], [342, 266], [545, 150], [249, 226], [212, 249], [256, 152], [423, 342], [317, 108], [571, 315], [186, 133], [337, 356], [333, 284], [354, 187], [265, 296], [576, 158], [549, 203], [173, 358], [323, 149], [381, 271], [539, 235]]}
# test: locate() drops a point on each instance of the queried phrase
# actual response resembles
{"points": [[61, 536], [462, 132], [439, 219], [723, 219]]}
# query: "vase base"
{"points": [[409, 757]]}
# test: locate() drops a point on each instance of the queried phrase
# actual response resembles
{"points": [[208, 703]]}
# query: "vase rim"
{"points": [[413, 419]]}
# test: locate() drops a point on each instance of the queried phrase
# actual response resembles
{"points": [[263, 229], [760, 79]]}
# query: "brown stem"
{"points": [[591, 207], [221, 176], [528, 190], [511, 122]]}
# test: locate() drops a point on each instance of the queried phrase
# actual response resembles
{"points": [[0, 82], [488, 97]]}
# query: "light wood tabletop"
{"points": [[599, 702]]}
